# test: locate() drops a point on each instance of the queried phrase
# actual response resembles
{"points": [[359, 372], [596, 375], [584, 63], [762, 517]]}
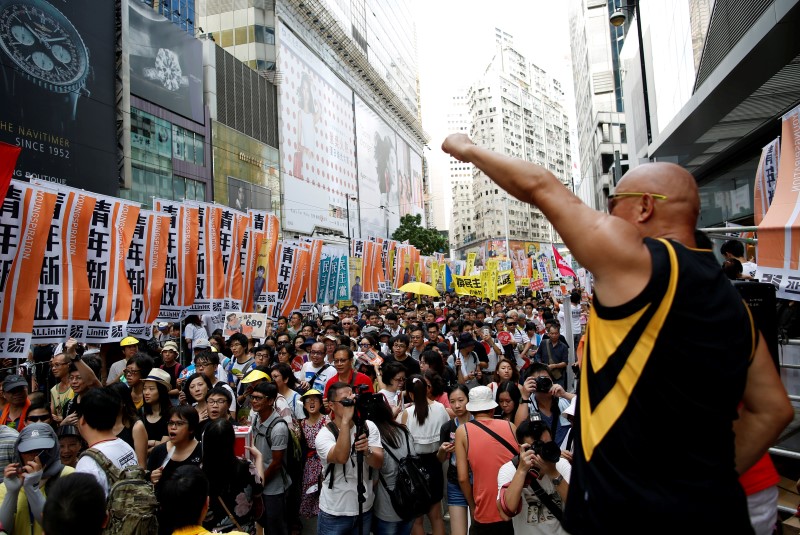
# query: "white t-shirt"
{"points": [[427, 435], [342, 500], [535, 517], [749, 268], [308, 371], [195, 333], [468, 364], [575, 316], [118, 452]]}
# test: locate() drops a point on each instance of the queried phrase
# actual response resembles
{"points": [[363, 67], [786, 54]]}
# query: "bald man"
{"points": [[671, 354]]}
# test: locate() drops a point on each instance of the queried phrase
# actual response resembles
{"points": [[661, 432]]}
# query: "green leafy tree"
{"points": [[427, 240]]}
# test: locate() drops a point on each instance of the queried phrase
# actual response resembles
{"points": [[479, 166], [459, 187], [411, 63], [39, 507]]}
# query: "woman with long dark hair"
{"points": [[508, 399], [155, 393], [456, 501], [129, 426], [398, 444], [233, 481], [425, 418]]}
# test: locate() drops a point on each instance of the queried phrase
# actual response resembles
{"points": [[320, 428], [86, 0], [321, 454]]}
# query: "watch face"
{"points": [[44, 44]]}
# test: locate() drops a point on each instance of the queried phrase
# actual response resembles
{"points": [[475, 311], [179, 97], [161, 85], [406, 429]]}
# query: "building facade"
{"points": [[460, 178], [602, 134]]}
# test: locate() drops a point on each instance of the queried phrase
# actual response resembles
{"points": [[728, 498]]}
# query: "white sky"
{"points": [[455, 42]]}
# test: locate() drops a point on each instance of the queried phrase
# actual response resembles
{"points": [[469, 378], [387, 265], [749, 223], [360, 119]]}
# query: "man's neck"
{"points": [[241, 359], [93, 436], [345, 375], [64, 382], [265, 414]]}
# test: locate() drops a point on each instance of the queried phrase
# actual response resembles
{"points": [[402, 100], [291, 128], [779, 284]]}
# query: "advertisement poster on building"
{"points": [[378, 173], [57, 89], [409, 180], [166, 63], [318, 159]]}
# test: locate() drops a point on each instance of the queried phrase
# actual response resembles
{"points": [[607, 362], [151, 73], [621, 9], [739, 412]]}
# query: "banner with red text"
{"points": [[145, 268]]}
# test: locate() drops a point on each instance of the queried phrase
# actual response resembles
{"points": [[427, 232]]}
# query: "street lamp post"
{"points": [[618, 19], [347, 200]]}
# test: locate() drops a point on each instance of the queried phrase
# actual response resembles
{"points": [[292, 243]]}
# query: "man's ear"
{"points": [[105, 521]]}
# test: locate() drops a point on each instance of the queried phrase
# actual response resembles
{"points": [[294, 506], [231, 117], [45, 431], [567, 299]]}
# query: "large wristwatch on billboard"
{"points": [[45, 49]]}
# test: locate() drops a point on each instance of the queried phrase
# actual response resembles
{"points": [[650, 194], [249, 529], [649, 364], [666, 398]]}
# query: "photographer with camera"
{"points": [[343, 362], [348, 447], [533, 485], [544, 399]]}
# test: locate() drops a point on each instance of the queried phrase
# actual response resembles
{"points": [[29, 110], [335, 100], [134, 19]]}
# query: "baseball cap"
{"points": [[13, 381], [481, 399], [128, 341], [36, 436], [170, 346]]}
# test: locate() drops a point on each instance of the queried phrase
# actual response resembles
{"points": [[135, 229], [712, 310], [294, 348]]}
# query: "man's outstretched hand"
{"points": [[456, 145]]}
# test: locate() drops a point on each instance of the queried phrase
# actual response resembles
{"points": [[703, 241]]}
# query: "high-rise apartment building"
{"points": [[516, 109], [602, 134], [462, 224]]}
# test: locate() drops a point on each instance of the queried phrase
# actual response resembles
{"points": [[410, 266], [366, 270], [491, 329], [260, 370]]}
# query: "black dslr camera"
{"points": [[543, 383], [364, 403]]}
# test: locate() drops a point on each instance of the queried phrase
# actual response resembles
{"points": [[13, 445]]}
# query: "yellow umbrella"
{"points": [[419, 288]]}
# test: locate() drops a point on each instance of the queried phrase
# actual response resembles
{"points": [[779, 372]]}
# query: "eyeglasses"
{"points": [[177, 423], [201, 364], [39, 418], [316, 352], [367, 344], [216, 402], [58, 364], [128, 371], [621, 194], [257, 398], [341, 361]]}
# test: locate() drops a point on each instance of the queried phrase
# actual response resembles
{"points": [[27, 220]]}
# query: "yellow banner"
{"points": [[505, 283], [468, 285], [434, 273], [470, 264], [525, 282]]}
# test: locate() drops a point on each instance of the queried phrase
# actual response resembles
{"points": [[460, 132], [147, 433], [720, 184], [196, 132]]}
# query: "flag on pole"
{"points": [[563, 267]]}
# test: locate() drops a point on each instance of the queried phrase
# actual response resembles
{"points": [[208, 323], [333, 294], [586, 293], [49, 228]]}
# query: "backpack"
{"points": [[411, 496], [131, 503], [293, 457]]}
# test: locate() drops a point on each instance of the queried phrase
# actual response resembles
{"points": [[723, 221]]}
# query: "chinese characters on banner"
{"points": [[181, 267], [63, 295], [144, 265], [25, 218], [110, 234], [779, 231]]}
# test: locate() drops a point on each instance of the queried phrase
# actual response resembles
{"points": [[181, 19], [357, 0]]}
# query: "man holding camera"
{"points": [[545, 400], [532, 487], [341, 451]]}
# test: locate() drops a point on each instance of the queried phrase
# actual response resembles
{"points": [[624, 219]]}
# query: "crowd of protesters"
{"points": [[182, 405], [480, 393]]}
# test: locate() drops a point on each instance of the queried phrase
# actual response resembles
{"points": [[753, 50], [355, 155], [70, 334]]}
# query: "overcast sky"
{"points": [[455, 42]]}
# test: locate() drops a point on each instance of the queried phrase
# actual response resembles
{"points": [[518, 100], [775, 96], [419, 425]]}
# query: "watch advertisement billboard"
{"points": [[166, 63], [57, 91]]}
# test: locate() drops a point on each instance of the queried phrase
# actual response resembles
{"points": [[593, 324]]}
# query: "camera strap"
{"points": [[501, 440], [546, 500]]}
